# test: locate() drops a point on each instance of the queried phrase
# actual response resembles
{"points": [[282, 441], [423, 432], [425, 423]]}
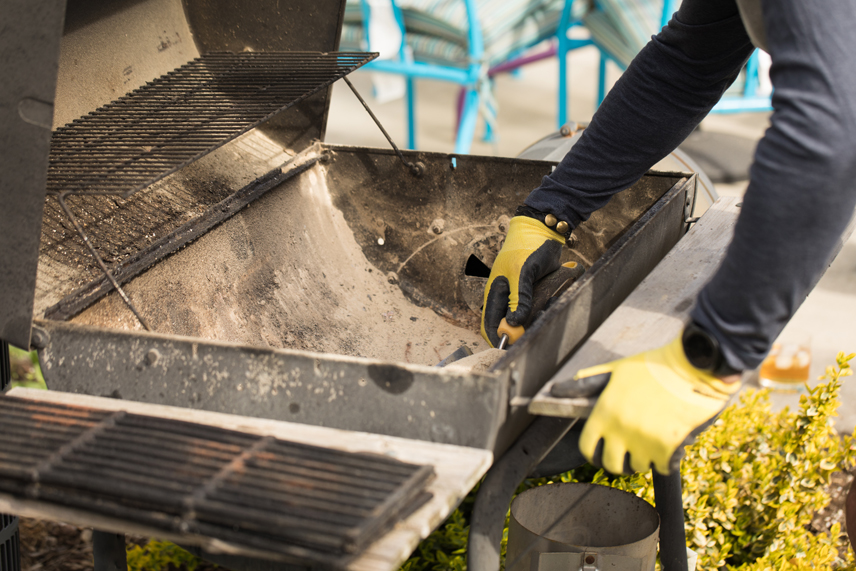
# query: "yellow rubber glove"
{"points": [[653, 405], [530, 252]]}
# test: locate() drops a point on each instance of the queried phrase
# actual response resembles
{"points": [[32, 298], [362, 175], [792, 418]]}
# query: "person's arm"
{"points": [[666, 91], [802, 191], [800, 199]]}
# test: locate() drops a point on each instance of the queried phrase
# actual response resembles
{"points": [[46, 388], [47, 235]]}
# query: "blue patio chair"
{"points": [[461, 41], [621, 28]]}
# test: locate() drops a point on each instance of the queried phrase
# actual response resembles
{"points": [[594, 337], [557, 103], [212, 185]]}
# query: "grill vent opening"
{"points": [[476, 268]]}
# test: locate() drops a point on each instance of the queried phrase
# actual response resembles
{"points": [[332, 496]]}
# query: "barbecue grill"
{"points": [[184, 237]]}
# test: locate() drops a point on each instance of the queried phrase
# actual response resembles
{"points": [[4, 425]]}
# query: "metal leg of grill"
{"points": [[10, 544], [670, 506], [108, 551], [500, 483], [5, 366]]}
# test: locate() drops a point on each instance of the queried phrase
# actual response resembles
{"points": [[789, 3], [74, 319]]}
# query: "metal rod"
{"points": [[414, 168], [5, 366], [670, 505], [121, 292], [108, 551]]}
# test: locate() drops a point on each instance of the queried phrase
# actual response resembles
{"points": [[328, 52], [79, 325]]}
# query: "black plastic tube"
{"points": [[673, 537]]}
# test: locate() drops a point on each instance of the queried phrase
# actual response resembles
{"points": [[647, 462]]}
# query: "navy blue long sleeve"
{"points": [[802, 190]]}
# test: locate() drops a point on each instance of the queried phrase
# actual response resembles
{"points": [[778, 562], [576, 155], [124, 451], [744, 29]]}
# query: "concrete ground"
{"points": [[527, 112]]}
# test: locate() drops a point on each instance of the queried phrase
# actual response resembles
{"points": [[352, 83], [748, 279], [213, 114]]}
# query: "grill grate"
{"points": [[153, 131], [10, 543], [307, 503]]}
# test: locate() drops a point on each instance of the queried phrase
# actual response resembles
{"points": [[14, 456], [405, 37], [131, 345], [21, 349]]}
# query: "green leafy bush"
{"points": [[446, 548], [26, 371], [752, 483], [160, 556]]}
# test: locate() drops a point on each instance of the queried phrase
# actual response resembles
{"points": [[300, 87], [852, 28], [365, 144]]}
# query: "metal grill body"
{"points": [[282, 278], [304, 502]]}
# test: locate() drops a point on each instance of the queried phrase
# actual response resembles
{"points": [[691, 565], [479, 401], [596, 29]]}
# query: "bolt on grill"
{"points": [[153, 131], [304, 502]]}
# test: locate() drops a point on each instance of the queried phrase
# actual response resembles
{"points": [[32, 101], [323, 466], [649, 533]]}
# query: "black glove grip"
{"points": [[544, 260], [581, 388], [496, 308]]}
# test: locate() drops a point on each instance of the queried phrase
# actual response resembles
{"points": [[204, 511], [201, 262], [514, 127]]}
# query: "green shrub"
{"points": [[446, 548], [26, 371], [751, 482], [160, 556]]}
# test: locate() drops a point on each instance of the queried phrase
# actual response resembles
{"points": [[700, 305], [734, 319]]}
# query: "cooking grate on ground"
{"points": [[153, 131], [310, 504]]}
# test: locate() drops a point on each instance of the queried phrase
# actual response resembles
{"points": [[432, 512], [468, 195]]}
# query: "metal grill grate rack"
{"points": [[10, 555], [10, 551], [100, 162], [153, 131], [307, 503]]}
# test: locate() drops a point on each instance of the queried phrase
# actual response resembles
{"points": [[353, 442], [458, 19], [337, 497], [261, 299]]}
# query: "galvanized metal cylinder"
{"points": [[596, 526]]}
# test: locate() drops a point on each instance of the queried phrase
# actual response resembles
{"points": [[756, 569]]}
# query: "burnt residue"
{"points": [[285, 272], [118, 227], [133, 234], [393, 216], [390, 378]]}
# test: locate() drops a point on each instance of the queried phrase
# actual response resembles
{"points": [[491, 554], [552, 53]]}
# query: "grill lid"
{"points": [[155, 130], [165, 124]]}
